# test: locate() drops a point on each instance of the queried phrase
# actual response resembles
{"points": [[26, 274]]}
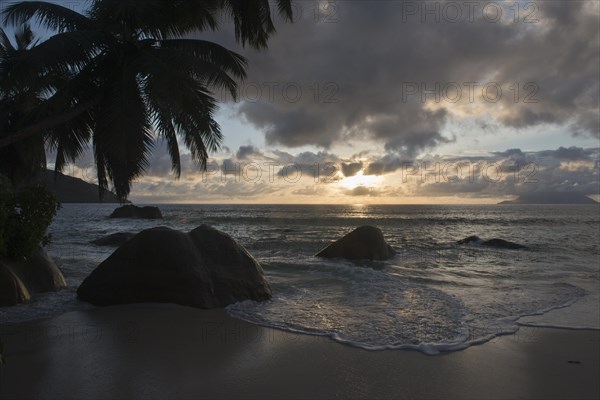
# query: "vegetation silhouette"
{"points": [[119, 74]]}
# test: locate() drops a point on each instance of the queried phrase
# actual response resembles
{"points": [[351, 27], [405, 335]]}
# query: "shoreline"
{"points": [[170, 351]]}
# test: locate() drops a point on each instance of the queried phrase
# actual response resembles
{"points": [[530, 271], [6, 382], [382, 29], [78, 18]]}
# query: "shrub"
{"points": [[24, 217]]}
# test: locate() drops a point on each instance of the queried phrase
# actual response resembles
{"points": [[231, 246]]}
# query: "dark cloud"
{"points": [[230, 166], [245, 152], [321, 164], [509, 153], [315, 190], [372, 191], [386, 165], [352, 78], [159, 163], [298, 128], [570, 154], [511, 158], [561, 12], [516, 172], [412, 144], [510, 172], [235, 189], [362, 191], [351, 169]]}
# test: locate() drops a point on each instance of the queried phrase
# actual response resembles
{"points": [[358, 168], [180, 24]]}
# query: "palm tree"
{"points": [[124, 72], [20, 160]]}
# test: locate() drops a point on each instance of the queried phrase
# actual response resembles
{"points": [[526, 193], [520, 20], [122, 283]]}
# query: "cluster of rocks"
{"points": [[203, 268]]}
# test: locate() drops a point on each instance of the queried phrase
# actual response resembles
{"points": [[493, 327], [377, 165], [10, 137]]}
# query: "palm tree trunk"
{"points": [[8, 138]]}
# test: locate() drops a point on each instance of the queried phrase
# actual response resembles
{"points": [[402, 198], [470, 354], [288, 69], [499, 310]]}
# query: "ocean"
{"points": [[433, 296]]}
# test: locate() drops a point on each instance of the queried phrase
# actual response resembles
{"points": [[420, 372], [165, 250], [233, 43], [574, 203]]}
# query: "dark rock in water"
{"points": [[115, 239], [37, 274], [471, 239], [363, 243], [496, 243], [131, 211], [204, 268]]}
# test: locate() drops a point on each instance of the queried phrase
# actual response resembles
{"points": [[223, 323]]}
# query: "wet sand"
{"points": [[168, 351]]}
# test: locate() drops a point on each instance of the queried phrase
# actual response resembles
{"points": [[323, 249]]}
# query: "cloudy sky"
{"points": [[404, 102]]}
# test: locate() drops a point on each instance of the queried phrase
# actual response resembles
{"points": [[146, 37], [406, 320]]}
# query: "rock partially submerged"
{"points": [[495, 243], [363, 243], [204, 268], [20, 279], [131, 211], [115, 239]]}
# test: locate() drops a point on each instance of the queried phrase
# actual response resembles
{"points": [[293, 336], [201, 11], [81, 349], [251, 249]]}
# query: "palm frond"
{"points": [[24, 37], [21, 160], [180, 17], [252, 19], [284, 7], [122, 132], [163, 121], [7, 52], [186, 105], [49, 15], [210, 64], [210, 52], [121, 15], [5, 43], [70, 139], [64, 52], [158, 19]]}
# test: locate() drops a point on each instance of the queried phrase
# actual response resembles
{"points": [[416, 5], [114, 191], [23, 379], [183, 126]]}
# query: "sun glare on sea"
{"points": [[359, 179]]}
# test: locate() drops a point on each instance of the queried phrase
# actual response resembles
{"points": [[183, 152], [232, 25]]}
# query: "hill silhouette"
{"points": [[68, 189], [551, 198]]}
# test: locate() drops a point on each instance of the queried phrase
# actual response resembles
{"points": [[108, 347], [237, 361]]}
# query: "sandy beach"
{"points": [[169, 351]]}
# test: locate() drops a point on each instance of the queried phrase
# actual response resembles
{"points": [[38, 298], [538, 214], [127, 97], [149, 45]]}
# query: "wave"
{"points": [[375, 310]]}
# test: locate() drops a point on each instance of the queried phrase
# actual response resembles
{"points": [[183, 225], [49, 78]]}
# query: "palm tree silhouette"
{"points": [[124, 72], [19, 160]]}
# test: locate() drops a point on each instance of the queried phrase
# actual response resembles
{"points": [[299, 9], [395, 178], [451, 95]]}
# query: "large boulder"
{"points": [[37, 274], [204, 268], [363, 243], [495, 243], [115, 239], [131, 211]]}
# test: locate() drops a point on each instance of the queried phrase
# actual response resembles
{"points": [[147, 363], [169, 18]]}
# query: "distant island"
{"points": [[68, 189], [551, 198]]}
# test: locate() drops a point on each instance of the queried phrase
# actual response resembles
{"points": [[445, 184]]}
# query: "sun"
{"points": [[359, 179]]}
